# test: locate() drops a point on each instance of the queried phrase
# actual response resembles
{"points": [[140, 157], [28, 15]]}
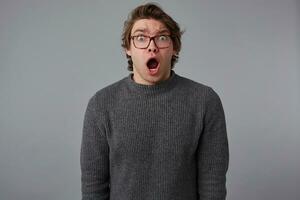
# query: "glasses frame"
{"points": [[151, 38]]}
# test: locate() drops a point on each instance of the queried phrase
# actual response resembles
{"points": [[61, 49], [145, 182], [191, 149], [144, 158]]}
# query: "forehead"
{"points": [[150, 26]]}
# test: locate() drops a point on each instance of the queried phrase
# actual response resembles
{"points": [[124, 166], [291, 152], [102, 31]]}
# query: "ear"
{"points": [[128, 52], [175, 53]]}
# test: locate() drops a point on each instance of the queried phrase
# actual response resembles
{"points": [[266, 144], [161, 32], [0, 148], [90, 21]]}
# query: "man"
{"points": [[154, 135]]}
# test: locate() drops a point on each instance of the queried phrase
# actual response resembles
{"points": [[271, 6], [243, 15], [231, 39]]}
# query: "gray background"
{"points": [[54, 55]]}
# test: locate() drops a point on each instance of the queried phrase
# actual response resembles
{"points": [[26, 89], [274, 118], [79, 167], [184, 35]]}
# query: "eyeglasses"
{"points": [[143, 41]]}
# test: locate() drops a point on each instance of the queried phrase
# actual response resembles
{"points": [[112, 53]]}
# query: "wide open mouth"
{"points": [[152, 63]]}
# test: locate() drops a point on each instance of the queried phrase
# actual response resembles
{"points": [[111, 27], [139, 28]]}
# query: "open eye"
{"points": [[140, 38], [163, 38]]}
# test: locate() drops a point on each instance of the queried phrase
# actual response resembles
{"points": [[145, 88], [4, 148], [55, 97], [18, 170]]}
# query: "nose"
{"points": [[152, 47]]}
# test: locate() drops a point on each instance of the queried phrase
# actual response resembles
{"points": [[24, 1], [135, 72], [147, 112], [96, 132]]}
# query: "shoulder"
{"points": [[204, 93], [186, 82], [105, 96], [196, 87]]}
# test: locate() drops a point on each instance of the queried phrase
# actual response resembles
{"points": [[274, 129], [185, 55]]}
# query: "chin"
{"points": [[158, 78]]}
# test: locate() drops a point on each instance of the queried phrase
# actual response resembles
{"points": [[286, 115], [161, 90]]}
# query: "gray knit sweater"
{"points": [[161, 142]]}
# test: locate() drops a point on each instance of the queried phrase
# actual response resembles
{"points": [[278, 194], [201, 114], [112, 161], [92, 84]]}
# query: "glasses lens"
{"points": [[142, 42], [162, 41]]}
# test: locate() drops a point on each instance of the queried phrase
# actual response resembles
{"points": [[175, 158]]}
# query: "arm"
{"points": [[94, 158], [213, 153]]}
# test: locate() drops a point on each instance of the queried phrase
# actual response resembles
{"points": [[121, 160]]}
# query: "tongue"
{"points": [[152, 64]]}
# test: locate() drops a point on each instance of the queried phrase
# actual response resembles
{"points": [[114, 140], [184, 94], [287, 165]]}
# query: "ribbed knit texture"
{"points": [[161, 142]]}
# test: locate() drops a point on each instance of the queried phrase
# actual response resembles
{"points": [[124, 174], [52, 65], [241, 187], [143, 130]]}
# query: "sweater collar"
{"points": [[152, 89]]}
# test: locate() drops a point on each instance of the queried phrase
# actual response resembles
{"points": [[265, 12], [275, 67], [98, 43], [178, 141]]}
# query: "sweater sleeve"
{"points": [[213, 152], [94, 156]]}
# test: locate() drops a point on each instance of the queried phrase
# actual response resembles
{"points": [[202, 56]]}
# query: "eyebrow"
{"points": [[145, 30], [139, 30]]}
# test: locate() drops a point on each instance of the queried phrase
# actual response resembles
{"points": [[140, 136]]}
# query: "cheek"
{"points": [[137, 58], [170, 55]]}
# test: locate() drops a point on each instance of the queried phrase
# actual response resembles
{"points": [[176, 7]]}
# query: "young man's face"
{"points": [[151, 64]]}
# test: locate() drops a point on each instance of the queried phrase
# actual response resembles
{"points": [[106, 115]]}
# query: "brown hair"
{"points": [[151, 11]]}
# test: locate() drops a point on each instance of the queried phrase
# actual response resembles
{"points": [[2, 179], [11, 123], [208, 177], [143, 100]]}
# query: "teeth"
{"points": [[153, 71]]}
